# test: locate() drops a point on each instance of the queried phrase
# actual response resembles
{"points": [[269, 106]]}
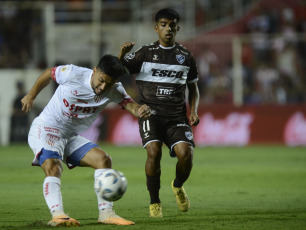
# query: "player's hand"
{"points": [[125, 48], [27, 103], [144, 111], [194, 119]]}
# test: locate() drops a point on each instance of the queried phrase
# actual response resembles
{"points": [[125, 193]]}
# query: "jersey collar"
{"points": [[89, 80], [167, 48]]}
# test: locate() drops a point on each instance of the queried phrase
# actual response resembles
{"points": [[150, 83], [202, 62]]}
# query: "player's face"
{"points": [[167, 29], [101, 82]]}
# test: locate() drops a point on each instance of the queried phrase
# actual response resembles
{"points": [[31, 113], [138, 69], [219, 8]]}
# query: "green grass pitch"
{"points": [[255, 187]]}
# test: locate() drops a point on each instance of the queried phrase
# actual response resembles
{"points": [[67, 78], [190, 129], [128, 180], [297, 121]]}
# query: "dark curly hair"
{"points": [[168, 14], [111, 66]]}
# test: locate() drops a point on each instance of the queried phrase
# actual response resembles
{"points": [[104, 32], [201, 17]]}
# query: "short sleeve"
{"points": [[120, 96], [60, 74], [133, 61], [193, 75]]}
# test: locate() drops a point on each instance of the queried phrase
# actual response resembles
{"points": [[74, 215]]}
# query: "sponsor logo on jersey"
{"points": [[165, 91], [180, 58], [130, 56], [166, 73], [79, 109], [155, 57], [189, 135], [46, 190], [182, 125], [163, 73]]}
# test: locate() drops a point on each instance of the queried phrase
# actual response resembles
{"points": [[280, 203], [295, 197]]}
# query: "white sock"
{"points": [[53, 195], [102, 204]]}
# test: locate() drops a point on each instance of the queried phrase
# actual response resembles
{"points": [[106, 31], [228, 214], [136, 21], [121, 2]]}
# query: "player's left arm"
{"points": [[193, 97], [140, 111]]}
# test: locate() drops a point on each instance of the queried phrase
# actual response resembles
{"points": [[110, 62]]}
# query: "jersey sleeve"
{"points": [[60, 74], [193, 75], [120, 95], [133, 61]]}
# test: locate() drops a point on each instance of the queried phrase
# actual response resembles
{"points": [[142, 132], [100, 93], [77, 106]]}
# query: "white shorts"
{"points": [[46, 142]]}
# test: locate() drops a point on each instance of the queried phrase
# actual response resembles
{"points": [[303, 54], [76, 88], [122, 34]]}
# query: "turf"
{"points": [[256, 187]]}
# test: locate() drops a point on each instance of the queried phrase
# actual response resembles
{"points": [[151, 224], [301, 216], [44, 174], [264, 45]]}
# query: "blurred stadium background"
{"points": [[251, 56]]}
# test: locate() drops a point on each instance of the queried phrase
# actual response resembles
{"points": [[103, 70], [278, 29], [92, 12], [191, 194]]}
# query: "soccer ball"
{"points": [[111, 185]]}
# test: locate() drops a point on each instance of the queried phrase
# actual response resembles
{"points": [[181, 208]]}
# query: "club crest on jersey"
{"points": [[189, 135], [98, 98], [180, 58]]}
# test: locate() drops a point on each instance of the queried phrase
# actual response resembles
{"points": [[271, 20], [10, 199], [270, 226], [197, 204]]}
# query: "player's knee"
{"points": [[185, 154], [103, 161], [96, 158], [108, 160], [52, 167], [154, 153]]}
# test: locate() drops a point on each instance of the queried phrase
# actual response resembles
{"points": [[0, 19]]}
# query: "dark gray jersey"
{"points": [[162, 76]]}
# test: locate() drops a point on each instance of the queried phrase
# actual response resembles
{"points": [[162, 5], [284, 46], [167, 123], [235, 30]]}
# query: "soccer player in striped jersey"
{"points": [[164, 68], [54, 135]]}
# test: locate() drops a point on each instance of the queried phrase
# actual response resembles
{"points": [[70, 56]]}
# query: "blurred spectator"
{"points": [[19, 119], [266, 76], [15, 37], [218, 88], [206, 61], [259, 27], [287, 62]]}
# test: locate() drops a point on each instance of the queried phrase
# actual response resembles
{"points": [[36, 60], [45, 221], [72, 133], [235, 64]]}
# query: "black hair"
{"points": [[111, 66], [168, 14]]}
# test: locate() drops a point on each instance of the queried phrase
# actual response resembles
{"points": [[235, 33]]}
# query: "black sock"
{"points": [[153, 185], [180, 179]]}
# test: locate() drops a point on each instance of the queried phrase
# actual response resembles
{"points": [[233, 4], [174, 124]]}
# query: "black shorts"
{"points": [[167, 130]]}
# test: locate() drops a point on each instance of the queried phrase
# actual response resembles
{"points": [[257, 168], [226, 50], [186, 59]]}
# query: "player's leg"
{"points": [[52, 190], [184, 153], [153, 172], [181, 144], [151, 132], [50, 162], [87, 154]]}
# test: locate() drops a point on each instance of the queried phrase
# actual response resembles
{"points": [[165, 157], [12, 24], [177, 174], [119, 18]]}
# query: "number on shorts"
{"points": [[146, 126]]}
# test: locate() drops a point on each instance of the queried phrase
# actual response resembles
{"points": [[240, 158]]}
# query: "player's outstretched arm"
{"points": [[125, 48], [140, 111], [194, 97], [42, 81]]}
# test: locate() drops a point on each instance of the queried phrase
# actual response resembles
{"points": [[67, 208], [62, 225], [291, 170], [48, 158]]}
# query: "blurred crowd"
{"points": [[15, 37], [273, 53], [273, 60]]}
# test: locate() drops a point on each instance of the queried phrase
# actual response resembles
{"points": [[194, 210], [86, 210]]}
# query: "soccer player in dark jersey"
{"points": [[164, 69]]}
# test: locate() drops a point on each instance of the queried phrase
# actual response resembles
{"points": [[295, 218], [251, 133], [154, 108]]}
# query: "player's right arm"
{"points": [[133, 61], [42, 81], [125, 48]]}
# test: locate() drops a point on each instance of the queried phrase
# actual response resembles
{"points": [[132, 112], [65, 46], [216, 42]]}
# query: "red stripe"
{"points": [[125, 101], [53, 73]]}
